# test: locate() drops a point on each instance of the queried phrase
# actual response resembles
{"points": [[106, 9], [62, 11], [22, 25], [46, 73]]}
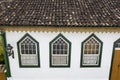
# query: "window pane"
{"points": [[26, 52], [59, 60], [54, 51], [88, 51], [85, 51], [97, 46], [62, 46], [92, 46], [58, 46], [34, 51], [22, 52], [85, 46], [88, 46], [30, 46], [58, 52], [97, 51], [26, 46], [22, 47], [90, 60], [34, 47], [94, 51], [30, 51], [65, 51], [54, 47]]}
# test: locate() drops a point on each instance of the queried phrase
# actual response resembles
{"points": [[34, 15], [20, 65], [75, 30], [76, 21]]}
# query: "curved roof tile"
{"points": [[60, 12]]}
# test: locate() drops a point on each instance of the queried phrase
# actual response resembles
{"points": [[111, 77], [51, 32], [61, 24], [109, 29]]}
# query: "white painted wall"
{"points": [[72, 73]]}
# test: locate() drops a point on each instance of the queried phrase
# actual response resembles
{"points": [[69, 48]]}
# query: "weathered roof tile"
{"points": [[60, 12]]}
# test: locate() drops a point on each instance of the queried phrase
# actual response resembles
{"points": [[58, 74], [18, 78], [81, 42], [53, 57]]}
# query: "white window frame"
{"points": [[63, 59], [91, 55], [90, 59], [28, 60], [60, 55]]}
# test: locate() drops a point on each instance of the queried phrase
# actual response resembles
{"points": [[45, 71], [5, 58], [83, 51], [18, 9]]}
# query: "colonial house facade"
{"points": [[61, 39]]}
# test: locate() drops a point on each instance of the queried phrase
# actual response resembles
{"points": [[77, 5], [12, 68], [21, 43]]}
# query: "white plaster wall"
{"points": [[72, 73]]}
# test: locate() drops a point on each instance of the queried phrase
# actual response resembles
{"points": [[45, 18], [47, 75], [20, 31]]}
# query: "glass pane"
{"points": [[26, 52], [34, 51], [89, 46], [62, 46], [34, 47], [26, 46], [88, 51], [85, 46], [58, 52], [92, 46], [85, 51], [58, 47], [97, 46], [94, 51], [54, 47], [91, 60], [54, 51], [97, 51], [30, 46], [22, 52], [22, 46], [65, 52], [30, 51], [61, 51]]}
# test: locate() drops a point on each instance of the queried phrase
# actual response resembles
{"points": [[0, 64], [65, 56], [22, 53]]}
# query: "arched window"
{"points": [[60, 52], [28, 52], [91, 51]]}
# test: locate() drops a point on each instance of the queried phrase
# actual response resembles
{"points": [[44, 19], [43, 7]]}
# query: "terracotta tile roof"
{"points": [[60, 12]]}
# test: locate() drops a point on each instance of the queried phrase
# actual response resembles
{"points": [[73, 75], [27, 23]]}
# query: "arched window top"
{"points": [[27, 39], [60, 39], [92, 39]]}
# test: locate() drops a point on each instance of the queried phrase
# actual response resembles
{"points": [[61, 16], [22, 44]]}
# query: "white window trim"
{"points": [[60, 54], [27, 55], [91, 54]]}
